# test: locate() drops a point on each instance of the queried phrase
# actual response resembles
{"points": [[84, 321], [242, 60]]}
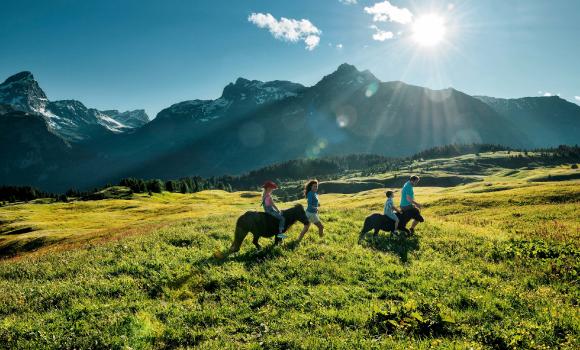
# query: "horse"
{"points": [[261, 224], [382, 222]]}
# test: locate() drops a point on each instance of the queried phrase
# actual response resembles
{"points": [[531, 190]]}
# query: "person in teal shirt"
{"points": [[311, 194], [408, 199]]}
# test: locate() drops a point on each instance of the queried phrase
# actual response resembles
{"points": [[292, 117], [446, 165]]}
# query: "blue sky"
{"points": [[150, 54]]}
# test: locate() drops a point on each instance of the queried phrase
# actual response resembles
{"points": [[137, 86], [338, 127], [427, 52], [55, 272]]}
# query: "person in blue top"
{"points": [[311, 194], [408, 199]]}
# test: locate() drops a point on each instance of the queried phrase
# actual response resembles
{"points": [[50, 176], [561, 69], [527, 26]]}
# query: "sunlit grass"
{"points": [[494, 266], [79, 221]]}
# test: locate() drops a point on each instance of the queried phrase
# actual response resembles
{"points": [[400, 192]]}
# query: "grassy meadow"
{"points": [[495, 266]]}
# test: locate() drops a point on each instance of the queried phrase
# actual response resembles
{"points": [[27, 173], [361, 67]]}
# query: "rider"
{"points": [[408, 199], [390, 210], [271, 208]]}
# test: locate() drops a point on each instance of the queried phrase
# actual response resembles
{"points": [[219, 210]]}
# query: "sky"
{"points": [[133, 54]]}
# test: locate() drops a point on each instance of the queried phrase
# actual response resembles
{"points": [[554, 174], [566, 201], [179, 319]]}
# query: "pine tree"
{"points": [[184, 189]]}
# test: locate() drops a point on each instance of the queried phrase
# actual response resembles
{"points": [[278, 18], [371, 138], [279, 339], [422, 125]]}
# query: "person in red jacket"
{"points": [[271, 208]]}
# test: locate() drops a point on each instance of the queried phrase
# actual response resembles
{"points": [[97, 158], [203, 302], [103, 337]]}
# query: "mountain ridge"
{"points": [[255, 123], [70, 119]]}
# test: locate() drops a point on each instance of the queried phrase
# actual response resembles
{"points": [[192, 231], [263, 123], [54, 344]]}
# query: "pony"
{"points": [[381, 222], [261, 224]]}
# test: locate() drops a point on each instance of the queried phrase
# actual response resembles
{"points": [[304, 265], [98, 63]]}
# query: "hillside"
{"points": [[494, 266], [548, 121]]}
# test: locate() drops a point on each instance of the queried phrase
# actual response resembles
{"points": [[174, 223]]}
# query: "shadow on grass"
{"points": [[252, 256], [400, 244], [13, 248]]}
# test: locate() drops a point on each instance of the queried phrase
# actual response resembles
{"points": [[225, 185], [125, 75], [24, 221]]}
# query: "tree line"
{"points": [[299, 169], [183, 185]]}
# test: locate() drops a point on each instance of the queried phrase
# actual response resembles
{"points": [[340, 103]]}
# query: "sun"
{"points": [[429, 30]]}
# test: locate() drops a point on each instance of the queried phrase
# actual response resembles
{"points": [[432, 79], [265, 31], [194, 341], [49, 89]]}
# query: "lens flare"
{"points": [[371, 89], [312, 152], [342, 121]]}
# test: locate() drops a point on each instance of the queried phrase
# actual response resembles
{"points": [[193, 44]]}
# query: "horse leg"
{"points": [[238, 239], [255, 241], [363, 232], [277, 240], [415, 222], [404, 228], [376, 234]]}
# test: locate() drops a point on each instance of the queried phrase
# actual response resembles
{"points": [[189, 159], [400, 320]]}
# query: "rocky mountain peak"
{"points": [[22, 76], [132, 119], [260, 92], [347, 68], [347, 74], [23, 93]]}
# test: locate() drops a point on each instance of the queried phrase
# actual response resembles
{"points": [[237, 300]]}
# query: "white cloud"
{"points": [[577, 98], [548, 94], [381, 35], [384, 11], [348, 2], [311, 42], [339, 46], [288, 29]]}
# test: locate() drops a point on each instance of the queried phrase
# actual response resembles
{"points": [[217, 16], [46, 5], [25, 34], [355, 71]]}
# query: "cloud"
{"points": [[348, 2], [577, 98], [339, 46], [288, 29], [384, 11], [381, 35], [311, 42], [548, 94]]}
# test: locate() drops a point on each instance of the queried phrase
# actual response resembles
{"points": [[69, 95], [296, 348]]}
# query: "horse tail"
{"points": [[366, 228], [240, 233]]}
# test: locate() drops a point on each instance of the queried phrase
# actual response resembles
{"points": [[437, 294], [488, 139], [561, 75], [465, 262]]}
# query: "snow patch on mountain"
{"points": [[70, 119]]}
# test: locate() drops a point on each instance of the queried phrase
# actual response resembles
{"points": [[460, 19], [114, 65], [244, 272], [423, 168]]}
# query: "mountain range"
{"points": [[56, 145]]}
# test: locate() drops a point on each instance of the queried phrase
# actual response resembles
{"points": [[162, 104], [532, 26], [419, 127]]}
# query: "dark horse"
{"points": [[261, 224], [381, 222]]}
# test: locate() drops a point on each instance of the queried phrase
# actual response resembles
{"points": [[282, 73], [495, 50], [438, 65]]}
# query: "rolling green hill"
{"points": [[495, 266]]}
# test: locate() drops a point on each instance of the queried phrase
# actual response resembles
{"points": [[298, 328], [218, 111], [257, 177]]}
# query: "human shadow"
{"points": [[400, 244]]}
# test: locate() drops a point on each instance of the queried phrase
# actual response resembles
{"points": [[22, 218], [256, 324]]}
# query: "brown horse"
{"points": [[261, 224]]}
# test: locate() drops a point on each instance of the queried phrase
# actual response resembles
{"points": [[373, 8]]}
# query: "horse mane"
{"points": [[296, 206]]}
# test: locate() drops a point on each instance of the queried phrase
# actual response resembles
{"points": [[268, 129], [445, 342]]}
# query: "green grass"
{"points": [[79, 222], [489, 269]]}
